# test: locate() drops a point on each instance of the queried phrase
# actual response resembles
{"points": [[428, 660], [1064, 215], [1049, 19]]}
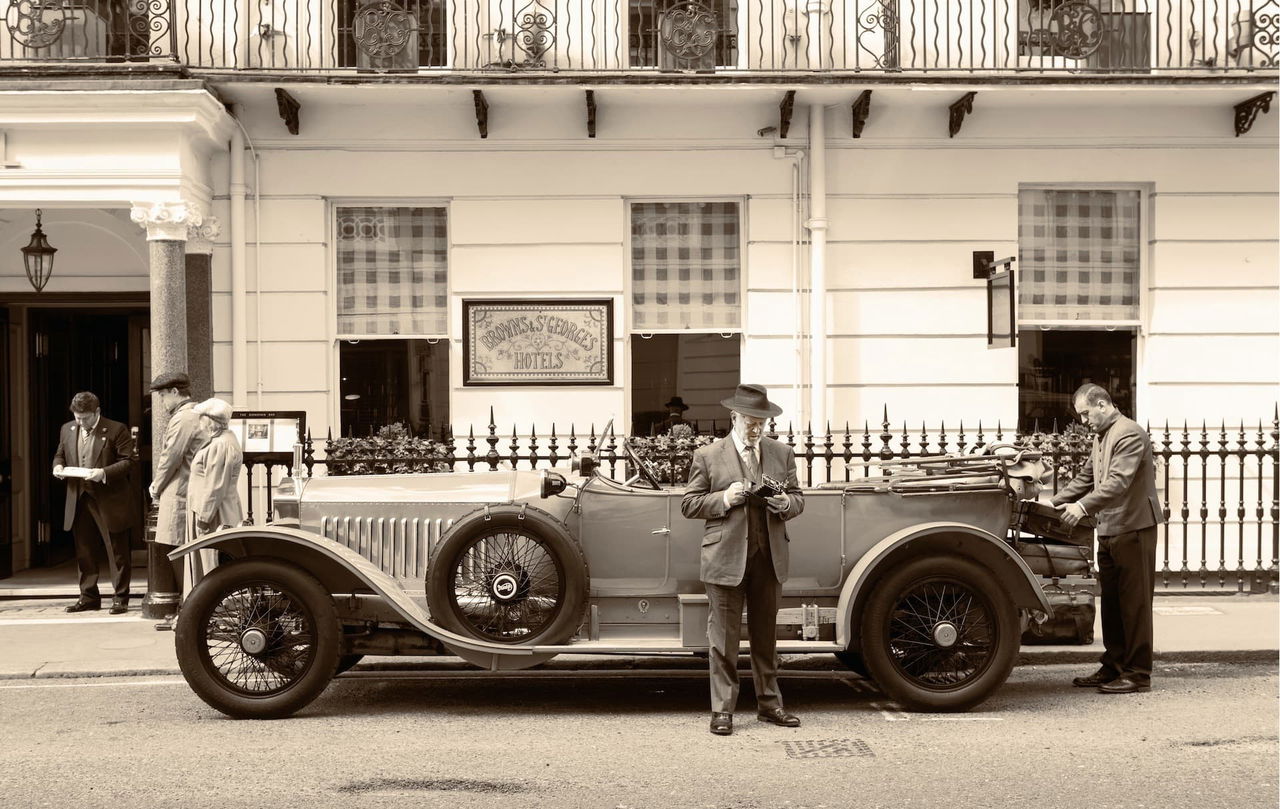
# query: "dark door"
{"points": [[72, 351], [6, 452]]}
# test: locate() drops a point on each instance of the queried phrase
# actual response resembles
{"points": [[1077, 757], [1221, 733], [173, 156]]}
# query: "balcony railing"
{"points": [[614, 36]]}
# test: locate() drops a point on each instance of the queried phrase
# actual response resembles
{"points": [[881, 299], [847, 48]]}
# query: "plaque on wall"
{"points": [[537, 341]]}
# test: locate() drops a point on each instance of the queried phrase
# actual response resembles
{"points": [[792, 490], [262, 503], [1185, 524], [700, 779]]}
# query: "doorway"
{"points": [[76, 349]]}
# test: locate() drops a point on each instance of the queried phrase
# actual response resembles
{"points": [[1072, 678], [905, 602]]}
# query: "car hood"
{"points": [[450, 487]]}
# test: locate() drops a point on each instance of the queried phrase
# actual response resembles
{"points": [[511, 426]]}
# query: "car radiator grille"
{"points": [[401, 547]]}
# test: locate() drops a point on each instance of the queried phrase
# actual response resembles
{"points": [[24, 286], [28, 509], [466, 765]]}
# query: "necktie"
{"points": [[85, 438], [749, 461]]}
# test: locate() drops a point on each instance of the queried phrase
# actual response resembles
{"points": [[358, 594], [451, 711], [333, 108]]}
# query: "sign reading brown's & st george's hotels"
{"points": [[537, 341]]}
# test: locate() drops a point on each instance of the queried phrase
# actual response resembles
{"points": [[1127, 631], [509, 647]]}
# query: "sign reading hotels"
{"points": [[537, 342]]}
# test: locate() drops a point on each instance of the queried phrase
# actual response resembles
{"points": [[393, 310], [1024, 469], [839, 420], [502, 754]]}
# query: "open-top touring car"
{"points": [[909, 577]]}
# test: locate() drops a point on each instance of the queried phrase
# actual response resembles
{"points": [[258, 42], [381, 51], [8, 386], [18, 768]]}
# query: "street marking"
{"points": [[14, 686], [107, 619], [891, 712], [1161, 609]]}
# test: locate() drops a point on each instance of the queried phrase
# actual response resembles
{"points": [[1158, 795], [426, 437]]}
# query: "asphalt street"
{"points": [[1205, 736]]}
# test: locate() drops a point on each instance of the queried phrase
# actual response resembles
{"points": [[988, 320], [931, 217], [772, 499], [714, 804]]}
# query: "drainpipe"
{"points": [[817, 226], [239, 296]]}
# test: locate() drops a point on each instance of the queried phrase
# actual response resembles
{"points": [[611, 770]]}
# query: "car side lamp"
{"points": [[552, 484], [585, 465]]}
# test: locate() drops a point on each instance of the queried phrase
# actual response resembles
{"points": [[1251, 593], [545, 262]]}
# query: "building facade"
{"points": [[571, 211]]}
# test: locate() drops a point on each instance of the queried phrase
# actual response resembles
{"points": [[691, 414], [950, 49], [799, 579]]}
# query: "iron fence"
{"points": [[379, 36], [1219, 487]]}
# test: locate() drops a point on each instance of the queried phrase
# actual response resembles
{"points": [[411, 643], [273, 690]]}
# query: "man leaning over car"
{"points": [[744, 551]]}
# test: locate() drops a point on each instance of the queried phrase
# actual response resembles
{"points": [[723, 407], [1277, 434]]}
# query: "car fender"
{"points": [[939, 537], [338, 568]]}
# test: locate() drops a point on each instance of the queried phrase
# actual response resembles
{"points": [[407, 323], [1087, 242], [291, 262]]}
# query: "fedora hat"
{"points": [[752, 400], [676, 401]]}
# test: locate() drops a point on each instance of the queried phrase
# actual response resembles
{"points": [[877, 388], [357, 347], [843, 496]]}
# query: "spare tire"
{"points": [[509, 574]]}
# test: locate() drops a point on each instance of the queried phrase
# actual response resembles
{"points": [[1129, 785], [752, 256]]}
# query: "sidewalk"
{"points": [[40, 640]]}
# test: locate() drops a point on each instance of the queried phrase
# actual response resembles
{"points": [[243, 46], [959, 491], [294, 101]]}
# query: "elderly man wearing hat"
{"points": [[744, 551], [215, 472], [182, 437]]}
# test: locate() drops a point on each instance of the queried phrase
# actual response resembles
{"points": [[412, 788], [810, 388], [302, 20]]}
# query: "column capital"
{"points": [[166, 221], [201, 235]]}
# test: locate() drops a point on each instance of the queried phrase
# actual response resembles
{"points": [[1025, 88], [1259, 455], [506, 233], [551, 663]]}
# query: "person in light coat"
{"points": [[215, 472], [183, 435]]}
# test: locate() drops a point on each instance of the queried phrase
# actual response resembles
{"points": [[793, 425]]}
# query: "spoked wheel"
{"points": [[258, 639], [505, 578], [939, 634]]}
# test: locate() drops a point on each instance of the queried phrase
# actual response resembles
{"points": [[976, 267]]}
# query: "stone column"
{"points": [[199, 261], [167, 224]]}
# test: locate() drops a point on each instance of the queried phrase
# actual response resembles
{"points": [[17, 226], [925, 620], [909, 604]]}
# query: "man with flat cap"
{"points": [[183, 435], [744, 551]]}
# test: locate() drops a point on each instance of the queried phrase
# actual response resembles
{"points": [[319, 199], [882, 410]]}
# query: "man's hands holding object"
{"points": [[1071, 513], [776, 500]]}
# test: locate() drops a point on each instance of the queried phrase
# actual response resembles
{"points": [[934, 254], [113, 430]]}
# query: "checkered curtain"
{"points": [[1078, 255], [685, 266], [392, 271]]}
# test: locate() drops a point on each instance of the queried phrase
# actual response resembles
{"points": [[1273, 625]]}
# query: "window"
{"points": [[395, 382], [1101, 34], [648, 47], [686, 312], [367, 23], [1079, 283], [392, 265]]}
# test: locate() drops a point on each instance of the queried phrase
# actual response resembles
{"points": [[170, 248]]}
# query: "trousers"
{"points": [[760, 590], [1127, 578], [94, 544]]}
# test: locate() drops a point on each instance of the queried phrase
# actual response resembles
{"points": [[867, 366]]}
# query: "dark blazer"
{"points": [[724, 539], [1118, 484], [111, 450]]}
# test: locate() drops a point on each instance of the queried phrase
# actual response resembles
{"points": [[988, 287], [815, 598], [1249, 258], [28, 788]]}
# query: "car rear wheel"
{"points": [[511, 576], [258, 639], [939, 634]]}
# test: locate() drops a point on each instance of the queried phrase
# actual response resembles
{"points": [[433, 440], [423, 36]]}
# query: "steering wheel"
{"points": [[642, 470]]}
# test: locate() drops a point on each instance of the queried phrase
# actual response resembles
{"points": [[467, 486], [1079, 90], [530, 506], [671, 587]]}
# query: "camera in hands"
{"points": [[766, 488]]}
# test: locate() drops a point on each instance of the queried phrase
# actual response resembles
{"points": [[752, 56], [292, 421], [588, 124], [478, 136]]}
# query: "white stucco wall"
{"points": [[539, 210]]}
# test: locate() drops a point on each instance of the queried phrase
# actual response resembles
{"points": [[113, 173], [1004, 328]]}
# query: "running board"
{"points": [[634, 647]]}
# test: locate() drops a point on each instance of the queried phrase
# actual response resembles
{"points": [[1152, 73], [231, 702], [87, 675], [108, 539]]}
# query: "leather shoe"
{"points": [[1123, 685], [1094, 680], [722, 723], [779, 717], [84, 606], [119, 606]]}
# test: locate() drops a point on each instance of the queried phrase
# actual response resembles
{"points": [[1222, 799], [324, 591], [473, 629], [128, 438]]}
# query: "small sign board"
{"points": [[1002, 319], [268, 436], [537, 341]]}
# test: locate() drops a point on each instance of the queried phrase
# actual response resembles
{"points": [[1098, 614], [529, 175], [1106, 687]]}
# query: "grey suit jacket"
{"points": [[724, 539], [1118, 485]]}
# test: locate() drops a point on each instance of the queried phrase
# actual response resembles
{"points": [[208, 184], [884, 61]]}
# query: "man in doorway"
{"points": [[94, 457], [675, 414], [1117, 486], [183, 435], [744, 551]]}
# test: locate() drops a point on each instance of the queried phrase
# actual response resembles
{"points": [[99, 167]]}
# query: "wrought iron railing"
{"points": [[1220, 487], [1125, 36]]}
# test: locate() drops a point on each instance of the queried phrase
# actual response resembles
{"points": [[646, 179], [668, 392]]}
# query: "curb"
{"points": [[1040, 658]]}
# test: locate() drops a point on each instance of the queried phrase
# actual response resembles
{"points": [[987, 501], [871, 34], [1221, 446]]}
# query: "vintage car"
{"points": [[908, 576]]}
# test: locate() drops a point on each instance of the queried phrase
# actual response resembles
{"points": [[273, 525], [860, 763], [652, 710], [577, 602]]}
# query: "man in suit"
{"points": [[98, 509], [744, 551], [1118, 488]]}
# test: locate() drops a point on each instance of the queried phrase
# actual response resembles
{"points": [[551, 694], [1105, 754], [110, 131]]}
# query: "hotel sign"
{"points": [[537, 341]]}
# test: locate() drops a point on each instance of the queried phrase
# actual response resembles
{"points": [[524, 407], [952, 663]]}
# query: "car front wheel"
{"points": [[939, 634], [258, 639]]}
